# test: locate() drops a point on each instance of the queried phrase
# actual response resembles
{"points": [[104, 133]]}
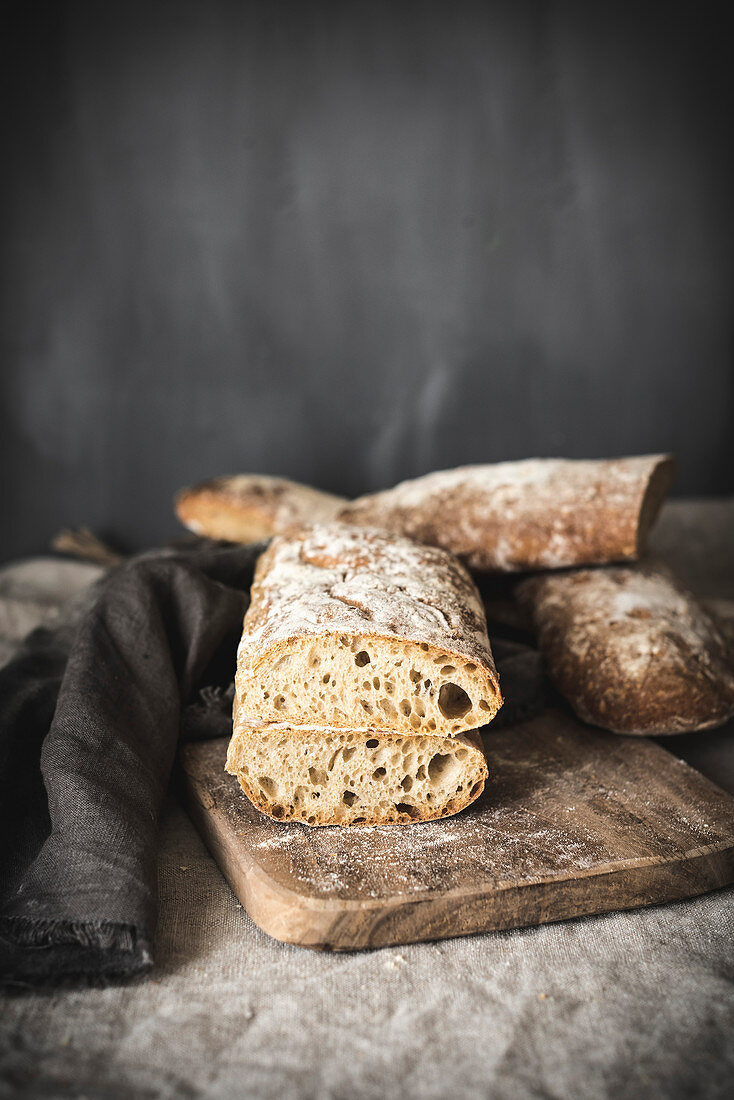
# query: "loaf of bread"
{"points": [[353, 628], [355, 777], [535, 514], [251, 507], [631, 649]]}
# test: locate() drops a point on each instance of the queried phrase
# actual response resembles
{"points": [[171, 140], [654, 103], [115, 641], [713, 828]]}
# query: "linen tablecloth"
{"points": [[622, 1005]]}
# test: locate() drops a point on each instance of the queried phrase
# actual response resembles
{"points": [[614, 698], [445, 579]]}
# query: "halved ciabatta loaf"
{"points": [[355, 629], [631, 649], [250, 507], [541, 513], [355, 777]]}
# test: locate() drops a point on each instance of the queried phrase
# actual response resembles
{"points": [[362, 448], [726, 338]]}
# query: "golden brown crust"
{"points": [[534, 514], [250, 507], [632, 650]]}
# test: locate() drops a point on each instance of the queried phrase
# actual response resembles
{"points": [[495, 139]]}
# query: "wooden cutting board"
{"points": [[573, 821]]}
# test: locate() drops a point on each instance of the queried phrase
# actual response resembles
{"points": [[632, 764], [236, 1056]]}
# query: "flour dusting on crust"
{"points": [[334, 579], [536, 513], [631, 649]]}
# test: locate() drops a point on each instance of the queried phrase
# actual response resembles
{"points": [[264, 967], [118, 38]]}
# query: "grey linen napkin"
{"points": [[90, 716]]}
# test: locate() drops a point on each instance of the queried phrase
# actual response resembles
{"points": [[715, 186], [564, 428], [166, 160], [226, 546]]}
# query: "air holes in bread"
{"points": [[453, 701], [387, 708], [327, 777], [438, 766], [362, 658]]}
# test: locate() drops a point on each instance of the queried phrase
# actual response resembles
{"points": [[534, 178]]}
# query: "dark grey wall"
{"points": [[353, 242]]}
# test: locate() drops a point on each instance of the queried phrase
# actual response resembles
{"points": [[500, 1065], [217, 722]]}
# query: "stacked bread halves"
{"points": [[363, 674]]}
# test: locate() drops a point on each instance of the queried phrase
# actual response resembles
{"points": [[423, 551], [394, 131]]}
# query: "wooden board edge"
{"points": [[333, 925]]}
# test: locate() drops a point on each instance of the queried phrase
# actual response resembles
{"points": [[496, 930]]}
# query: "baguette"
{"points": [[353, 628], [632, 650], [355, 777], [250, 507], [535, 514]]}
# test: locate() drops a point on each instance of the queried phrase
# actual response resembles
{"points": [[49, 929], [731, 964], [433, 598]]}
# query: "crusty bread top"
{"points": [[631, 649], [335, 579], [247, 507], [537, 513]]}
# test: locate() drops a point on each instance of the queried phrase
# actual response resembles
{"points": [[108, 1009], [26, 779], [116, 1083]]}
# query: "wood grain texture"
{"points": [[573, 822]]}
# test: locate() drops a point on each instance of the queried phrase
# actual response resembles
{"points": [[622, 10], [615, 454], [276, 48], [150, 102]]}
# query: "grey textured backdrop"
{"points": [[353, 242]]}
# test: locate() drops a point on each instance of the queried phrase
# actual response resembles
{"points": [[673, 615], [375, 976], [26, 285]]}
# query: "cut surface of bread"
{"points": [[631, 649], [355, 628], [250, 507], [540, 513], [355, 777]]}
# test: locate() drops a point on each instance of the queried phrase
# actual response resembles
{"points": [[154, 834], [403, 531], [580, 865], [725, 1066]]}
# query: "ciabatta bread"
{"points": [[353, 628], [355, 777], [535, 514], [251, 507], [631, 649]]}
